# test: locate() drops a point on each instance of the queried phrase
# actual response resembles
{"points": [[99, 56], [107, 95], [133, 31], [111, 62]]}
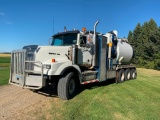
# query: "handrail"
{"points": [[36, 62]]}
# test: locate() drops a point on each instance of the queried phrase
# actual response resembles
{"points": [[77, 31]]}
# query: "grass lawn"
{"points": [[132, 100], [4, 76], [4, 68]]}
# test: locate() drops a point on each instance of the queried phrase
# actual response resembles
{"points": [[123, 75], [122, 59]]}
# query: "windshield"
{"points": [[64, 40]]}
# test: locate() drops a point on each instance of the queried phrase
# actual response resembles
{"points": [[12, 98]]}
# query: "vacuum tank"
{"points": [[124, 52]]}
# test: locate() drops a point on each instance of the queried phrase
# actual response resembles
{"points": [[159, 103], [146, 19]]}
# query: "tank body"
{"points": [[124, 52]]}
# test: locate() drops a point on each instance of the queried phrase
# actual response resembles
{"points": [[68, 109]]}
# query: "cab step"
{"points": [[91, 81]]}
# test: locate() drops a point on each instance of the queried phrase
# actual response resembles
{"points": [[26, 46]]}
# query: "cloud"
{"points": [[2, 13]]}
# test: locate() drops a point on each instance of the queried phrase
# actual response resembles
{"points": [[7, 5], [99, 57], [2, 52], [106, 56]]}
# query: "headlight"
{"points": [[47, 66]]}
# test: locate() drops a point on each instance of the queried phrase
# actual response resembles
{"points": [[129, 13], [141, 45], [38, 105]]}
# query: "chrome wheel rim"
{"points": [[128, 76], [122, 77]]}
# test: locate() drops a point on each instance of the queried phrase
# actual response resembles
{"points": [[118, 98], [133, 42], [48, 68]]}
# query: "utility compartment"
{"points": [[89, 75]]}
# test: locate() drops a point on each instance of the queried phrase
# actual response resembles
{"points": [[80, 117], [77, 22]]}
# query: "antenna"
{"points": [[65, 29], [53, 25], [84, 15]]}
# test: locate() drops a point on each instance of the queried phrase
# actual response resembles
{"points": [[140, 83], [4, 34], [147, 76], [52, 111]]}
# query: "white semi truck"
{"points": [[73, 58]]}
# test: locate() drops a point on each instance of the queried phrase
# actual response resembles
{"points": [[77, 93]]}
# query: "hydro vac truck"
{"points": [[72, 59]]}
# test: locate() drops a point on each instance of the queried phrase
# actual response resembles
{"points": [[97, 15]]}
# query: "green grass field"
{"points": [[132, 100], [4, 76], [4, 69]]}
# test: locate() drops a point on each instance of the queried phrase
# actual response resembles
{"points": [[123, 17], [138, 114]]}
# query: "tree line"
{"points": [[145, 39]]}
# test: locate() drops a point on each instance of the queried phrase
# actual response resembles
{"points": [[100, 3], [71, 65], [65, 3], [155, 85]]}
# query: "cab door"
{"points": [[85, 51]]}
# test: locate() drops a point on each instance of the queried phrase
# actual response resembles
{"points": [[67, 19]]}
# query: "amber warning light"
{"points": [[84, 29], [53, 60]]}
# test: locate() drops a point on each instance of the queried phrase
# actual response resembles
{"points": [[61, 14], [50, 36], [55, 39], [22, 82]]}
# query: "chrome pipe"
{"points": [[94, 43]]}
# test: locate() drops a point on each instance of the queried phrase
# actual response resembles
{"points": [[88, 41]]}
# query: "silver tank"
{"points": [[124, 52]]}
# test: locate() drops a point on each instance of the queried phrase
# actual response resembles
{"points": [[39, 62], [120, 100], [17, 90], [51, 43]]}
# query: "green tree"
{"points": [[145, 40], [130, 37]]}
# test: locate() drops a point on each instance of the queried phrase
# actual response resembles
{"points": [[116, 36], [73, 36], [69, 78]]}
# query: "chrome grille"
{"points": [[18, 61], [30, 57]]}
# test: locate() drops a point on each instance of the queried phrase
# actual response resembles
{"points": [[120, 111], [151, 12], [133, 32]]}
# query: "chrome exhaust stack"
{"points": [[95, 45]]}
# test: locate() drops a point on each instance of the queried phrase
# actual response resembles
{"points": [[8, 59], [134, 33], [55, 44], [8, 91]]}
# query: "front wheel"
{"points": [[67, 86]]}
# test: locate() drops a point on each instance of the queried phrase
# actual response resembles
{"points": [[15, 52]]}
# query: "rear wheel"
{"points": [[121, 76], [133, 74], [127, 74], [67, 86]]}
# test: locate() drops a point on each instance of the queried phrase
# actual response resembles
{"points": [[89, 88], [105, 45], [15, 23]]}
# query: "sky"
{"points": [[33, 22]]}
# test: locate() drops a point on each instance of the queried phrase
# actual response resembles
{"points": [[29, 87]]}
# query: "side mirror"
{"points": [[49, 41]]}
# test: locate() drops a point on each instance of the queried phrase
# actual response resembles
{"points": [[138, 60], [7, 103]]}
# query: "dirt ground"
{"points": [[23, 104]]}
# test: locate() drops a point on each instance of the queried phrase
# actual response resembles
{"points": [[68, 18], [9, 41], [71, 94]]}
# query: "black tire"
{"points": [[127, 74], [67, 86], [121, 76], [133, 74]]}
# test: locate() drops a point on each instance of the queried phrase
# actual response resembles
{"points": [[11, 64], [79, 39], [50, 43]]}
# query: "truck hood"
{"points": [[46, 53]]}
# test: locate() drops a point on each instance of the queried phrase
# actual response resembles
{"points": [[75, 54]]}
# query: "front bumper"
{"points": [[22, 71]]}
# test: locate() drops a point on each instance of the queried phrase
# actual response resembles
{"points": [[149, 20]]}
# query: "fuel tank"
{"points": [[124, 52]]}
